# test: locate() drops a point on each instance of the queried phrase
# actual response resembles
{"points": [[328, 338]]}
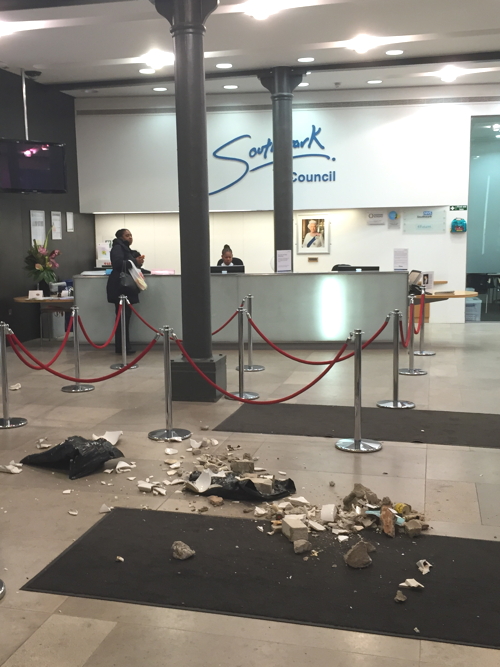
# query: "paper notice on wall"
{"points": [[428, 280], [70, 222], [400, 259], [376, 217], [56, 222], [37, 220], [283, 261]]}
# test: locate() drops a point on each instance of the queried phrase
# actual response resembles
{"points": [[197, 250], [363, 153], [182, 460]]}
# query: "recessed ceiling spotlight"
{"points": [[303, 84], [394, 52], [450, 73], [307, 73], [224, 65], [230, 87], [160, 89], [147, 70], [497, 136], [305, 60], [362, 43], [6, 29], [374, 81], [263, 9], [487, 127], [91, 90], [156, 58]]}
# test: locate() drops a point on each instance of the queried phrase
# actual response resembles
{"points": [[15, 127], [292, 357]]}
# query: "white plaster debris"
{"points": [[342, 538], [170, 452], [259, 511], [299, 501], [120, 559], [15, 387], [328, 513], [259, 469], [110, 436], [280, 472], [12, 468], [175, 466], [260, 528], [424, 566], [104, 509], [67, 491], [108, 471], [171, 472], [103, 482], [123, 466], [316, 526], [73, 512], [202, 484], [131, 479], [42, 444], [411, 583]]}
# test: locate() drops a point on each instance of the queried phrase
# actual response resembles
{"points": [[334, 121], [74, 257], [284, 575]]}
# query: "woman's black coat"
{"points": [[120, 254]]}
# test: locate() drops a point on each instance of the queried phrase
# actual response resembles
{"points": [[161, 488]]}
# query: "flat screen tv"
{"points": [[32, 166]]}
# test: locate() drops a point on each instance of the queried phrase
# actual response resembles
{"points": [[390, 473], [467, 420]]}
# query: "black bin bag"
{"points": [[81, 457]]}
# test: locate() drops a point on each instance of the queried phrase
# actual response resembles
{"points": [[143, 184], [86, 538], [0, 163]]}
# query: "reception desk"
{"points": [[288, 307]]}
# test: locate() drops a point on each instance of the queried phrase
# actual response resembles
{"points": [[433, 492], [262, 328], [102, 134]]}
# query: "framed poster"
{"points": [[313, 235], [37, 220]]}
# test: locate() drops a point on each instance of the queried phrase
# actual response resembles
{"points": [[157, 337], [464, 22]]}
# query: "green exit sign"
{"points": [[458, 208]]}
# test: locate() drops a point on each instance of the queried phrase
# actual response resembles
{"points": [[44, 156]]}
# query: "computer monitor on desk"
{"points": [[227, 269], [341, 268]]}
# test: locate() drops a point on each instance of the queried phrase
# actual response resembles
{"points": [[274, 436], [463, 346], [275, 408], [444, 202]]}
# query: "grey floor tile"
{"points": [[450, 655], [465, 465], [489, 503], [16, 627], [451, 501]]}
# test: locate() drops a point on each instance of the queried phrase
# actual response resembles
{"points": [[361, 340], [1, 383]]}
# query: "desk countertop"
{"points": [[51, 300]]}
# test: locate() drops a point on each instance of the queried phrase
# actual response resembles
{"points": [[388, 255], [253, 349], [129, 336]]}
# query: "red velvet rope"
{"points": [[313, 363], [225, 323], [421, 314], [406, 341], [14, 342], [142, 319], [246, 400], [63, 344], [115, 327]]}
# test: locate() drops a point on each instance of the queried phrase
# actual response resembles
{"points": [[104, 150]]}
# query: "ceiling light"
{"points": [[497, 136], [394, 52], [230, 87], [263, 9], [305, 60], [449, 73], [224, 65], [374, 81], [303, 84], [156, 59], [487, 127], [307, 73], [147, 70], [159, 90], [6, 29], [496, 127], [362, 43]]}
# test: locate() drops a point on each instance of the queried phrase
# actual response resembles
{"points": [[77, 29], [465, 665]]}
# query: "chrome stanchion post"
{"points": [[169, 432], [250, 367], [395, 403], [358, 444], [123, 327], [241, 393], [7, 421], [421, 352], [77, 388], [411, 370]]}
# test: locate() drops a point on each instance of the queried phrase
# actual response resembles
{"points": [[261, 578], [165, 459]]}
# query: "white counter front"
{"points": [[289, 308]]}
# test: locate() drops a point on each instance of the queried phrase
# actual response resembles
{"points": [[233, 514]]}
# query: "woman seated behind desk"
{"points": [[121, 253], [227, 258]]}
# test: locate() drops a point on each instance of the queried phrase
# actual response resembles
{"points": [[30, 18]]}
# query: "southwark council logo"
{"points": [[255, 158]]}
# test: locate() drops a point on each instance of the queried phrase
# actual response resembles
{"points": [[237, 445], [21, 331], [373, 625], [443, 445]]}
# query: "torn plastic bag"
{"points": [[231, 488], [79, 456]]}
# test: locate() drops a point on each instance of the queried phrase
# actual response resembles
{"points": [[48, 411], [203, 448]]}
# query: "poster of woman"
{"points": [[312, 233]]}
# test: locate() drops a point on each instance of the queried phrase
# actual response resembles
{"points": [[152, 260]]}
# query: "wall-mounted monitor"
{"points": [[32, 166]]}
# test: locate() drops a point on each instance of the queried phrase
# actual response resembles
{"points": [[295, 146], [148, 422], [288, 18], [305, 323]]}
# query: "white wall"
{"points": [[353, 241]]}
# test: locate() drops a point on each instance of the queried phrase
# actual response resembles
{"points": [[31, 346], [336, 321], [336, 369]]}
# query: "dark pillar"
{"points": [[187, 19], [281, 82]]}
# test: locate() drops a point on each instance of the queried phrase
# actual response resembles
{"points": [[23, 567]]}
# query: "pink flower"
{"points": [[55, 253], [42, 250], [53, 264]]}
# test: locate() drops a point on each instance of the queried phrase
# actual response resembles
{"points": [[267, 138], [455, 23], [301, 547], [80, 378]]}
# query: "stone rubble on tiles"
{"points": [[181, 551]]}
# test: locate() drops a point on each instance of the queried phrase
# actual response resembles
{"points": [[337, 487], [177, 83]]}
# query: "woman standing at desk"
{"points": [[120, 256], [228, 259]]}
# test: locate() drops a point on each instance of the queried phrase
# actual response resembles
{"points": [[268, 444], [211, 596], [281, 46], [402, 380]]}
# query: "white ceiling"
{"points": [[103, 42]]}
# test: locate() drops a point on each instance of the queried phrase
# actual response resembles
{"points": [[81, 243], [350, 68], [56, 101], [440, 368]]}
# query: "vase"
{"points": [[44, 286]]}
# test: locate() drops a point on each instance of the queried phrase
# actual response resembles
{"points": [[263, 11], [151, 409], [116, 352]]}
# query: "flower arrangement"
{"points": [[40, 263]]}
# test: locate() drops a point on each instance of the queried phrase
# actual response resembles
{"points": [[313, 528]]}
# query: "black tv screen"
{"points": [[32, 166]]}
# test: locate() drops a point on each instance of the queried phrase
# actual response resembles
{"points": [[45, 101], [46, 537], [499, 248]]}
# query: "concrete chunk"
{"points": [[240, 466], [301, 546], [264, 486], [293, 528], [413, 527]]}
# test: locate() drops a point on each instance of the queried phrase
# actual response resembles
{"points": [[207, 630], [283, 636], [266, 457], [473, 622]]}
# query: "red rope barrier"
{"points": [[306, 361], [406, 341], [225, 323], [271, 402], [141, 318], [421, 314], [115, 327], [14, 342], [61, 348]]}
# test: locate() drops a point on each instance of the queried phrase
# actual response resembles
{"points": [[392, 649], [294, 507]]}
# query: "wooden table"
{"points": [[48, 305], [444, 296]]}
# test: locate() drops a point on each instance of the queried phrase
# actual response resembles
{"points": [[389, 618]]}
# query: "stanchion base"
{"points": [[358, 446], [2, 589], [77, 388], [117, 367], [424, 353], [249, 395], [165, 434], [13, 422], [412, 371], [254, 368], [398, 405]]}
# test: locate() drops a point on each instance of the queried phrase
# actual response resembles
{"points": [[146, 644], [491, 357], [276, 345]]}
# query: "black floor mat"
{"points": [[470, 429], [238, 570]]}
